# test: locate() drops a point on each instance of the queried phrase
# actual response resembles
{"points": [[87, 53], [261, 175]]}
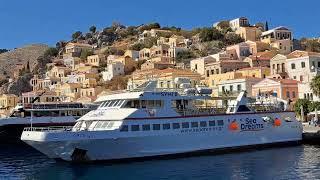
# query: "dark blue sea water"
{"points": [[299, 162]]}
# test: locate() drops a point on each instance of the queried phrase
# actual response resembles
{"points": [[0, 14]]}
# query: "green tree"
{"points": [[3, 50], [266, 26], [224, 24], [305, 104], [315, 85], [139, 63], [184, 55], [232, 38], [113, 51], [312, 45], [60, 45], [137, 46], [210, 34], [85, 53], [76, 35], [314, 105], [150, 26], [51, 52], [93, 29]]}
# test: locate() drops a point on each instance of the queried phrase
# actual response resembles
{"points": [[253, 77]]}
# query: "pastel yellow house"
{"points": [[74, 49], [8, 101], [87, 69], [278, 33], [69, 90], [255, 72], [279, 38], [132, 53], [144, 53], [90, 93], [215, 79], [177, 41], [58, 72], [128, 62], [249, 33], [96, 60], [165, 77]]}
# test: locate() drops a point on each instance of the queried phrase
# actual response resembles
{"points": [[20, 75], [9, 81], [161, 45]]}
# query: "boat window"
{"points": [[110, 125], [106, 104], [77, 126], [150, 104], [203, 124], [136, 104], [178, 104], [114, 102], [166, 126], [146, 127], [194, 124], [104, 125], [119, 102], [128, 104], [185, 125], [158, 103], [156, 126], [212, 123], [99, 124], [243, 108], [175, 125], [124, 128], [143, 104], [220, 122], [135, 128], [102, 104]]}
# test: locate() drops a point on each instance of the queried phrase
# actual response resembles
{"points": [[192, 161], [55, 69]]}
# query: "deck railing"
{"points": [[52, 128], [55, 106]]}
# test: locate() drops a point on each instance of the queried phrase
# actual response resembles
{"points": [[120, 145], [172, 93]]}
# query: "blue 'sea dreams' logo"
{"points": [[251, 125]]}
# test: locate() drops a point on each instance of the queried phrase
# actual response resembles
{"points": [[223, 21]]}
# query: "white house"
{"points": [[112, 70], [235, 24], [198, 65], [235, 86], [303, 66]]}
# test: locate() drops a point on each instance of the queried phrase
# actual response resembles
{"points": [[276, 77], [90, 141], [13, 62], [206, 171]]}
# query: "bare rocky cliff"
{"points": [[28, 56]]}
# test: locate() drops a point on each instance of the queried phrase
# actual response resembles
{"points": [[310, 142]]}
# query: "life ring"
{"points": [[277, 122]]}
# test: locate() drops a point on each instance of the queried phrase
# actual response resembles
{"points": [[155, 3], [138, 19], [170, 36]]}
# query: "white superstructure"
{"points": [[40, 115], [156, 123]]}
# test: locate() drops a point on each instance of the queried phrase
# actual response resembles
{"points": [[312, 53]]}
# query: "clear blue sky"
{"points": [[44, 21]]}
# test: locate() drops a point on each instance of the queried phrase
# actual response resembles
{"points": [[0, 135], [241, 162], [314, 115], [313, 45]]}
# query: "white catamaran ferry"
{"points": [[57, 114], [152, 123]]}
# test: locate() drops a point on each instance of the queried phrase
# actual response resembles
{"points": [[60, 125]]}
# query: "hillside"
{"points": [[27, 54]]}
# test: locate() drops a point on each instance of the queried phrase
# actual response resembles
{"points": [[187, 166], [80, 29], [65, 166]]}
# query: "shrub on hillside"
{"points": [[184, 55], [85, 53], [232, 38], [76, 35], [51, 52], [210, 34], [150, 26], [93, 29], [3, 50]]}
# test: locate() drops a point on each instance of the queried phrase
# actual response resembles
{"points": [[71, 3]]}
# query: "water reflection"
{"points": [[300, 162]]}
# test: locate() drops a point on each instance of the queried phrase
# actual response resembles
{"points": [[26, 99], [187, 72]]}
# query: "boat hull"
{"points": [[84, 146]]}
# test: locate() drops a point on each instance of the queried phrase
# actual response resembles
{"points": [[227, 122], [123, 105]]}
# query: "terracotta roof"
{"points": [[79, 44], [271, 30], [9, 95], [298, 53], [252, 68], [285, 81]]}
